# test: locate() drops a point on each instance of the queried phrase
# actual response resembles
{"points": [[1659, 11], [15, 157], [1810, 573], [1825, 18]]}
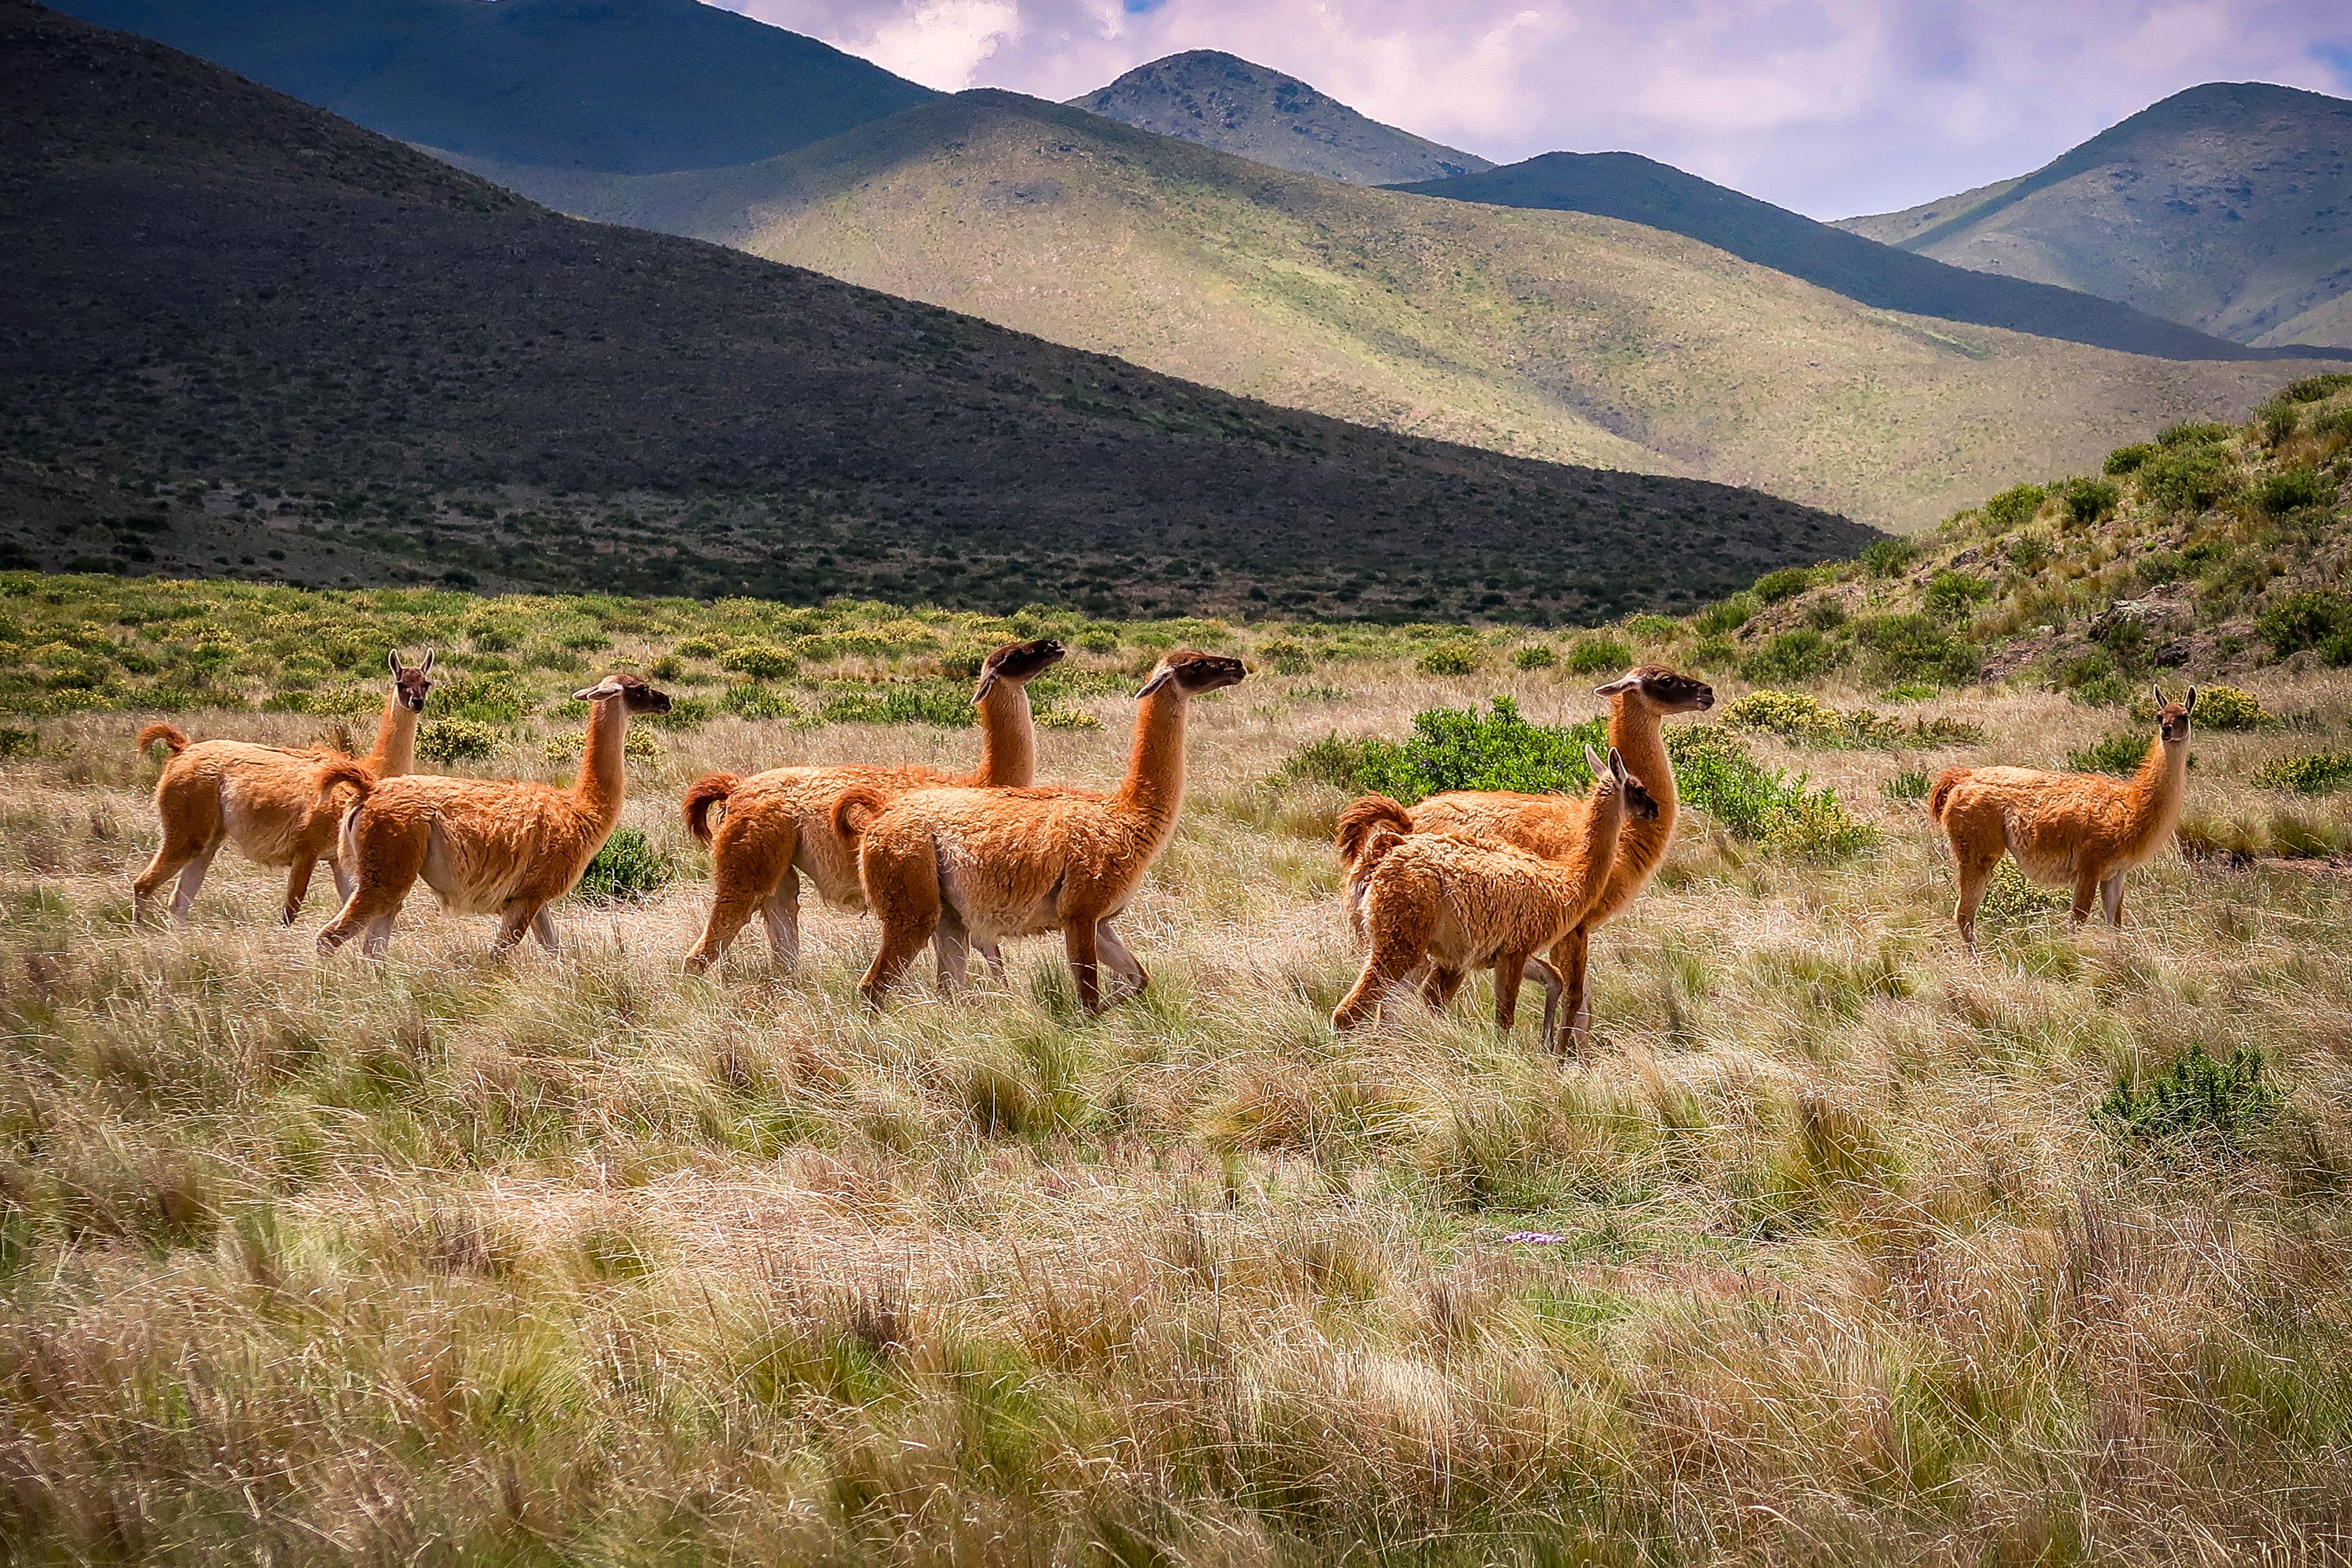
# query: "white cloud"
{"points": [[942, 43]]}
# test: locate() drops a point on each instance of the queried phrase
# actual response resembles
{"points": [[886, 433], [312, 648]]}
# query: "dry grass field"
{"points": [[1824, 1252]]}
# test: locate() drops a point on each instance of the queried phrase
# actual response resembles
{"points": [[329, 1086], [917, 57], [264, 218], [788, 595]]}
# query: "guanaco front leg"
{"points": [[1569, 958], [297, 887], [1115, 953], [1511, 971], [2111, 895]]}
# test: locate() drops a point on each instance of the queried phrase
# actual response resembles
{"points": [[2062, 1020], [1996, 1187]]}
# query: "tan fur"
{"points": [[2082, 831], [777, 826], [1554, 827], [506, 847], [265, 800], [1457, 902], [957, 866]]}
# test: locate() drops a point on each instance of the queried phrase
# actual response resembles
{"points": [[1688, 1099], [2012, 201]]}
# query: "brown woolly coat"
{"points": [[504, 846], [2081, 831], [1459, 902], [777, 826], [980, 865], [265, 799]]}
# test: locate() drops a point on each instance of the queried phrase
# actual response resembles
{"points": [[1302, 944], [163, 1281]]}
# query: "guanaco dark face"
{"points": [[1020, 662], [1639, 803], [411, 685], [1666, 690], [633, 693], [1194, 672], [2173, 718]]}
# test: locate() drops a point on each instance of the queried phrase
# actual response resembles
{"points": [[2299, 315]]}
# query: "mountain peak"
{"points": [[1255, 111]]}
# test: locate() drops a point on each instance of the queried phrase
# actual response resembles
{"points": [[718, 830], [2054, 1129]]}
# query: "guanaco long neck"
{"points": [[395, 739], [1154, 786], [2160, 788], [1008, 738], [1606, 822], [1641, 845], [603, 771]]}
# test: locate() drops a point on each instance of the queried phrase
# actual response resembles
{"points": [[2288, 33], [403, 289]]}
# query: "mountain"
{"points": [[1639, 190], [630, 86], [1223, 101], [1550, 334], [236, 326], [2228, 208]]}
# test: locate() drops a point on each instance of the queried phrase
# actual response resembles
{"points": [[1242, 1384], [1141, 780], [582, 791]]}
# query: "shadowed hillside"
{"points": [[1640, 190], [241, 333], [2228, 206], [627, 85], [1223, 101], [1557, 335]]}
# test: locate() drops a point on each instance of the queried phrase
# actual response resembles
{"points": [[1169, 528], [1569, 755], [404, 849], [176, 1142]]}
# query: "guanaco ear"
{"points": [[1159, 677], [2191, 706], [392, 657], [427, 668], [1592, 760], [2157, 687], [987, 679], [1622, 683], [607, 687], [1616, 765]]}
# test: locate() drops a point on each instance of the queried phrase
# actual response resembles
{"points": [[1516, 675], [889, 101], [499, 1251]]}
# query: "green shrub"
{"points": [[2089, 501], [1808, 721], [1949, 593], [926, 702], [2195, 1098], [493, 636], [2230, 708], [1654, 628], [454, 740], [2314, 773], [2313, 388], [1458, 748], [1284, 656], [2128, 459], [2194, 432], [1917, 648], [637, 745], [626, 869], [1600, 655], [1715, 773], [485, 699], [2298, 621], [2292, 488], [1945, 731], [708, 646], [751, 702], [758, 661], [1449, 659], [2010, 898], [2187, 479], [1825, 615], [1534, 656], [2027, 552], [1792, 656], [1908, 784], [1785, 584], [2120, 752], [2014, 507], [1102, 639], [1724, 615], [1889, 557], [16, 742], [1712, 652]]}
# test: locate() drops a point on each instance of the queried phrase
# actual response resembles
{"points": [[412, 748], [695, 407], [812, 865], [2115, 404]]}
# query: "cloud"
{"points": [[1831, 107]]}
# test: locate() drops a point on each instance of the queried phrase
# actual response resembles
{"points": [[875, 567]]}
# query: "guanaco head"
{"points": [[1191, 672], [1663, 690], [1019, 663], [634, 694], [1640, 803], [410, 683], [2173, 718]]}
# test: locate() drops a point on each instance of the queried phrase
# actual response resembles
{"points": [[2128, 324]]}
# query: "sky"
{"points": [[1832, 108]]}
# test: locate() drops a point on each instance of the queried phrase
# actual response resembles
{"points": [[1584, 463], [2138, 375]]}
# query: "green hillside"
{"points": [[1557, 335], [1223, 101], [1640, 190], [243, 337], [627, 85], [2228, 208]]}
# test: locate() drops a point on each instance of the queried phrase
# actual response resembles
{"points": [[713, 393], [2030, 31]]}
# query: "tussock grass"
{"points": [[1823, 1252]]}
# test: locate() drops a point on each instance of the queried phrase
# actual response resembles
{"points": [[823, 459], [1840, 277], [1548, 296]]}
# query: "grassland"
{"points": [[1826, 1253], [1554, 335]]}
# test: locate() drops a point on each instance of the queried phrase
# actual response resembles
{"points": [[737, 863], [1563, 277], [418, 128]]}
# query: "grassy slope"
{"points": [[636, 86], [2223, 206], [1237, 107], [1557, 335], [1640, 190], [382, 356], [578, 1259]]}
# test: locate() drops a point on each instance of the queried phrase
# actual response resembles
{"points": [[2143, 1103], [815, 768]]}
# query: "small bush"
{"points": [[1654, 628], [2027, 552], [1066, 719], [1917, 648], [2292, 488], [1284, 656], [1600, 655], [638, 746], [2120, 753], [1102, 639], [1725, 614], [929, 703], [493, 636], [2314, 773], [1825, 615], [2298, 621], [2313, 388], [1949, 593], [749, 702], [1715, 773], [1449, 659], [1785, 584], [2230, 708], [2088, 501], [485, 699], [19, 743], [1908, 784], [1807, 721], [1458, 748], [758, 661], [455, 740], [2195, 1098], [1945, 731], [2194, 432], [1792, 656], [1534, 656], [2128, 459], [709, 646], [2010, 898], [2187, 479], [626, 869], [2014, 507], [1713, 653]]}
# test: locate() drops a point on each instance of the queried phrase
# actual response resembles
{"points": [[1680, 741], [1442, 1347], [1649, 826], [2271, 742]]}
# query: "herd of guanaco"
{"points": [[1465, 880]]}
